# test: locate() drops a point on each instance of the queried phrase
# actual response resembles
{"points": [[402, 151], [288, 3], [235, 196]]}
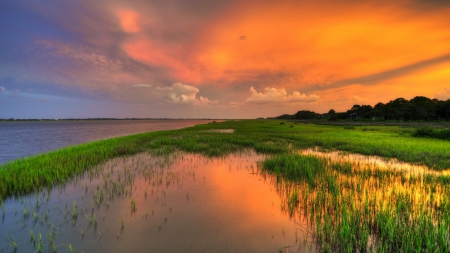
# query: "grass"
{"points": [[432, 132], [133, 205], [269, 137], [296, 167], [366, 209], [352, 210]]}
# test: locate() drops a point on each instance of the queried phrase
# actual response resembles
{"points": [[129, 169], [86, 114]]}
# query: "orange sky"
{"points": [[275, 56]]}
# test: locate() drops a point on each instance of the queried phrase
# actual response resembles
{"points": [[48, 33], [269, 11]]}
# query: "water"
{"points": [[184, 203], [21, 139], [190, 203], [374, 163]]}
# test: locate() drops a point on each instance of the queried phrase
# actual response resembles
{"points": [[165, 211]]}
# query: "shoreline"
{"points": [[363, 199], [266, 137]]}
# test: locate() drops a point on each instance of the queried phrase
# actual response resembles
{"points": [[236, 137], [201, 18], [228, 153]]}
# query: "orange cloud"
{"points": [[311, 43], [318, 43], [129, 20], [144, 50], [343, 52]]}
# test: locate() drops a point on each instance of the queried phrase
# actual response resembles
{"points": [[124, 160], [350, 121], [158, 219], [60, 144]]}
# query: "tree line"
{"points": [[418, 108]]}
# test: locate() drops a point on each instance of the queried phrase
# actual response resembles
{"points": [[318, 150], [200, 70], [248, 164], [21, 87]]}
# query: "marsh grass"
{"points": [[352, 210], [133, 205], [432, 132], [268, 137], [364, 209]]}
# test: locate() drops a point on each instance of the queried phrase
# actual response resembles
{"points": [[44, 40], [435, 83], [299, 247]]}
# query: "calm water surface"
{"points": [[21, 139], [183, 203]]}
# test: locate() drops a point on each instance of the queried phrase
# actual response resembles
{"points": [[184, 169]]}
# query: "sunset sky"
{"points": [[217, 59]]}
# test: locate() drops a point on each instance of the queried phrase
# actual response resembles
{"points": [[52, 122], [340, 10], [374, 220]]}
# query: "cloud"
{"points": [[379, 77], [142, 85], [2, 88], [274, 95], [105, 49], [180, 93], [129, 20]]}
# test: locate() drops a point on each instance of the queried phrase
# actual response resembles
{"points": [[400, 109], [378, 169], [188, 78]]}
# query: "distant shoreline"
{"points": [[105, 119]]}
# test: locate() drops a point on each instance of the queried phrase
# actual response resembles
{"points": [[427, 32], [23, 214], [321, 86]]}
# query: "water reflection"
{"points": [[365, 204], [362, 162], [142, 203]]}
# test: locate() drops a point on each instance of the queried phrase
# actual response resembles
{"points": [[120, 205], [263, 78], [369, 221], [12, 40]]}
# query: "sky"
{"points": [[217, 59]]}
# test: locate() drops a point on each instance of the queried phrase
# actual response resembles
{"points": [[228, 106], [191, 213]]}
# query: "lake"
{"points": [[21, 139]]}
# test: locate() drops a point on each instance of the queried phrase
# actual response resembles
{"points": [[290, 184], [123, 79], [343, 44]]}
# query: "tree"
{"points": [[379, 110], [422, 108], [359, 111], [332, 115], [305, 115], [418, 108], [443, 109], [398, 109]]}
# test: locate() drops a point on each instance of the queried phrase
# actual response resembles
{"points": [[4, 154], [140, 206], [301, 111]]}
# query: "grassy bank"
{"points": [[264, 136]]}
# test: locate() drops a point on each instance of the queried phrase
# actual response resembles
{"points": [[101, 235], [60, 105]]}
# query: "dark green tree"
{"points": [[306, 115], [331, 115]]}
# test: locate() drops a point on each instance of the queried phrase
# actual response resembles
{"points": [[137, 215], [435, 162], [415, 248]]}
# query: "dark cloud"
{"points": [[430, 3], [376, 78]]}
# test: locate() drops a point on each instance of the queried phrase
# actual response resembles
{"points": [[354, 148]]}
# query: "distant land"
{"points": [[96, 119], [418, 108]]}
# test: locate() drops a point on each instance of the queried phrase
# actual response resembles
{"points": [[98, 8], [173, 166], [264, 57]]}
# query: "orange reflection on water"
{"points": [[399, 185], [361, 162], [187, 202]]}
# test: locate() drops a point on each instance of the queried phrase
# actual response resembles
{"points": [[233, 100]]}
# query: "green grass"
{"points": [[432, 132], [264, 136], [352, 209], [398, 211], [296, 167]]}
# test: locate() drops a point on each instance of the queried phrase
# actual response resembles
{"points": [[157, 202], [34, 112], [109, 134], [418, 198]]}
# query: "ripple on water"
{"points": [[184, 203]]}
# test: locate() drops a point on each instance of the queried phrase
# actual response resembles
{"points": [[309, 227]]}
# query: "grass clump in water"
{"points": [[133, 205], [296, 167], [364, 209]]}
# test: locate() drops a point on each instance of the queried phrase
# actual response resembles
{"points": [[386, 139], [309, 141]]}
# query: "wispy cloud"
{"points": [[359, 99], [376, 78], [143, 85]]}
